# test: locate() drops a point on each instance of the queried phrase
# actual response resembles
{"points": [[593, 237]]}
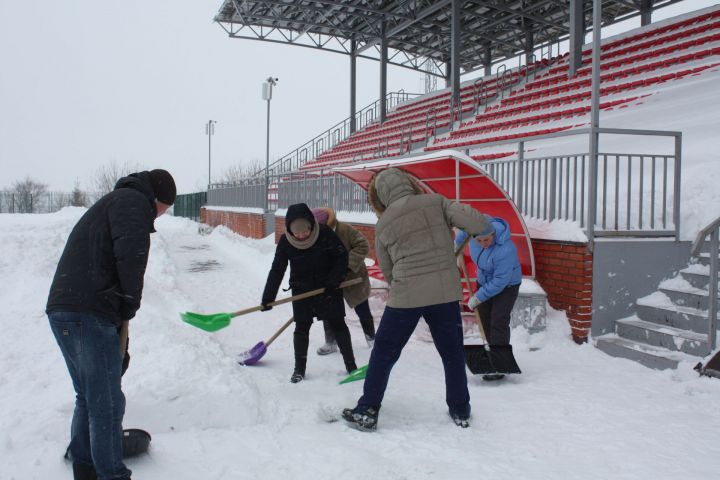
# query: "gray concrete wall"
{"points": [[628, 269]]}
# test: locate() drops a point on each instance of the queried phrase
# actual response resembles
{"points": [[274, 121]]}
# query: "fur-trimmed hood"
{"points": [[388, 186]]}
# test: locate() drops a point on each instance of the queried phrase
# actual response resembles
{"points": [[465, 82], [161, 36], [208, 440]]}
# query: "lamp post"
{"points": [[267, 95], [210, 131]]}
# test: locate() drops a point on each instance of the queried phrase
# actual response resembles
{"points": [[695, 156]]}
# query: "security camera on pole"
{"points": [[267, 95]]}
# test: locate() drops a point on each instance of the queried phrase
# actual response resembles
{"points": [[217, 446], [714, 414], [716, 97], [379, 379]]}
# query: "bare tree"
{"points": [[26, 193], [238, 172], [106, 176], [79, 198]]}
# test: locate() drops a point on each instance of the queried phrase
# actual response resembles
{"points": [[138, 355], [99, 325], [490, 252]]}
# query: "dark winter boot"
{"points": [[297, 376], [300, 343], [362, 418], [368, 326], [345, 344], [460, 420], [493, 377], [83, 471]]}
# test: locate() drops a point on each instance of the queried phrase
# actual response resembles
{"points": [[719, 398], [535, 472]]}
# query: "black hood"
{"points": [[299, 210], [139, 181]]}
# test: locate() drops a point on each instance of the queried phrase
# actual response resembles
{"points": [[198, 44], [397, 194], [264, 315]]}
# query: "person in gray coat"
{"points": [[414, 246]]}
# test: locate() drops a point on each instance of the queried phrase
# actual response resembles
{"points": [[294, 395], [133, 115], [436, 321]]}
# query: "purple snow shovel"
{"points": [[252, 356]]}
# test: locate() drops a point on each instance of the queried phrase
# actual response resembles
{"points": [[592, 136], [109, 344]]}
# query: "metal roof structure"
{"points": [[419, 31]]}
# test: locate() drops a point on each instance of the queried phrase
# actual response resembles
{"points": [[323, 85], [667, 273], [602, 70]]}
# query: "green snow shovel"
{"points": [[216, 321], [356, 375]]}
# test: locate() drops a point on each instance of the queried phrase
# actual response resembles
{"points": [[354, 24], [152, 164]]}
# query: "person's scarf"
{"points": [[308, 242]]}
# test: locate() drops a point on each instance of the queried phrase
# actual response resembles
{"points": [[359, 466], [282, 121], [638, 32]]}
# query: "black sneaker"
{"points": [[363, 419], [297, 377], [460, 420], [492, 377]]}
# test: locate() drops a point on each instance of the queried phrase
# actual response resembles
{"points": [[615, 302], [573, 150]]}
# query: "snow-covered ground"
{"points": [[573, 413]]}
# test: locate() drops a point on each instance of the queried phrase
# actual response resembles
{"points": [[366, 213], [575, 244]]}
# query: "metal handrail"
{"points": [[712, 231], [336, 134], [588, 217]]}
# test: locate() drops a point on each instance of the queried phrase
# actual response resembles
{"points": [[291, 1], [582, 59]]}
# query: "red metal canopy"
{"points": [[457, 177]]}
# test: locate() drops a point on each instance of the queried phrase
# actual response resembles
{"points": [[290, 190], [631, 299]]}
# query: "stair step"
{"points": [[704, 258], [687, 296], [674, 339], [658, 308], [648, 355]]}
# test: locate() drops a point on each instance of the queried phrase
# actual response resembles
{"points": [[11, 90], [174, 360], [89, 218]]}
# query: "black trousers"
{"points": [[301, 340], [366, 322], [495, 315]]}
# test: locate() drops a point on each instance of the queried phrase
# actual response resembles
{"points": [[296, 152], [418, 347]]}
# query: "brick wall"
{"points": [[564, 270], [246, 224]]}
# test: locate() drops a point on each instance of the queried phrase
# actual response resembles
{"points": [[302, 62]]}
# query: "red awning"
{"points": [[457, 177]]}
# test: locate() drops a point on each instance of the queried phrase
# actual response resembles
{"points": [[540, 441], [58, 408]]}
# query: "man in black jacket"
{"points": [[96, 289]]}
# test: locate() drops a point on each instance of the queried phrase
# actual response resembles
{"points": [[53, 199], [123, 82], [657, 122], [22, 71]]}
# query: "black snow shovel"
{"points": [[134, 442], [483, 359]]}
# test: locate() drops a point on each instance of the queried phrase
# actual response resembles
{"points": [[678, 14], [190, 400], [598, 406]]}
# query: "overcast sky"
{"points": [[83, 83]]}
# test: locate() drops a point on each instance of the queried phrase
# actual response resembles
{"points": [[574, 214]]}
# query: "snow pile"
{"points": [[573, 413]]}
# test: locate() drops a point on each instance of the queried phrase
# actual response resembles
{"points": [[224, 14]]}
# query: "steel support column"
{"points": [[529, 44], [594, 121], [646, 9], [353, 85], [577, 35], [487, 59], [383, 72], [455, 34]]}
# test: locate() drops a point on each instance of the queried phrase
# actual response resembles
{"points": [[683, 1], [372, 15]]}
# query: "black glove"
{"points": [[331, 286], [265, 304]]}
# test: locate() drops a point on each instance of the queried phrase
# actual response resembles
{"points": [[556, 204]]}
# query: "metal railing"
{"points": [[320, 188], [188, 205], [620, 194], [617, 194], [335, 134], [710, 234], [249, 192]]}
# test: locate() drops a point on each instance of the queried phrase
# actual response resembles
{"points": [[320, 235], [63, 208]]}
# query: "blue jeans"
{"points": [[396, 327], [91, 348]]}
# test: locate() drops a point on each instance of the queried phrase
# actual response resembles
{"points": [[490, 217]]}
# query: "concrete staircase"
{"points": [[669, 326]]}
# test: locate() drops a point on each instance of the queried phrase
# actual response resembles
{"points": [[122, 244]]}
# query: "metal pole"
{"points": [[267, 157], [676, 187], [594, 121], [210, 131], [455, 33], [353, 85], [267, 95], [713, 290]]}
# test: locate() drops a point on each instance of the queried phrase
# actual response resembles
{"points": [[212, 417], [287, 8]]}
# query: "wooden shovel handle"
{"points": [[300, 296], [280, 330], [124, 327], [477, 314]]}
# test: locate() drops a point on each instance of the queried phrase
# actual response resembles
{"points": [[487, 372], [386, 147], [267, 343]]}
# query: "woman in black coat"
{"points": [[317, 260]]}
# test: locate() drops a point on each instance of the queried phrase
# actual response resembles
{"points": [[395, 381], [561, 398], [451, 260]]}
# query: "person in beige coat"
{"points": [[357, 295], [414, 245]]}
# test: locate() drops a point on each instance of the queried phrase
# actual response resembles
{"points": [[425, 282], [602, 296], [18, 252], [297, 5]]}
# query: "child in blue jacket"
{"points": [[498, 281]]}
